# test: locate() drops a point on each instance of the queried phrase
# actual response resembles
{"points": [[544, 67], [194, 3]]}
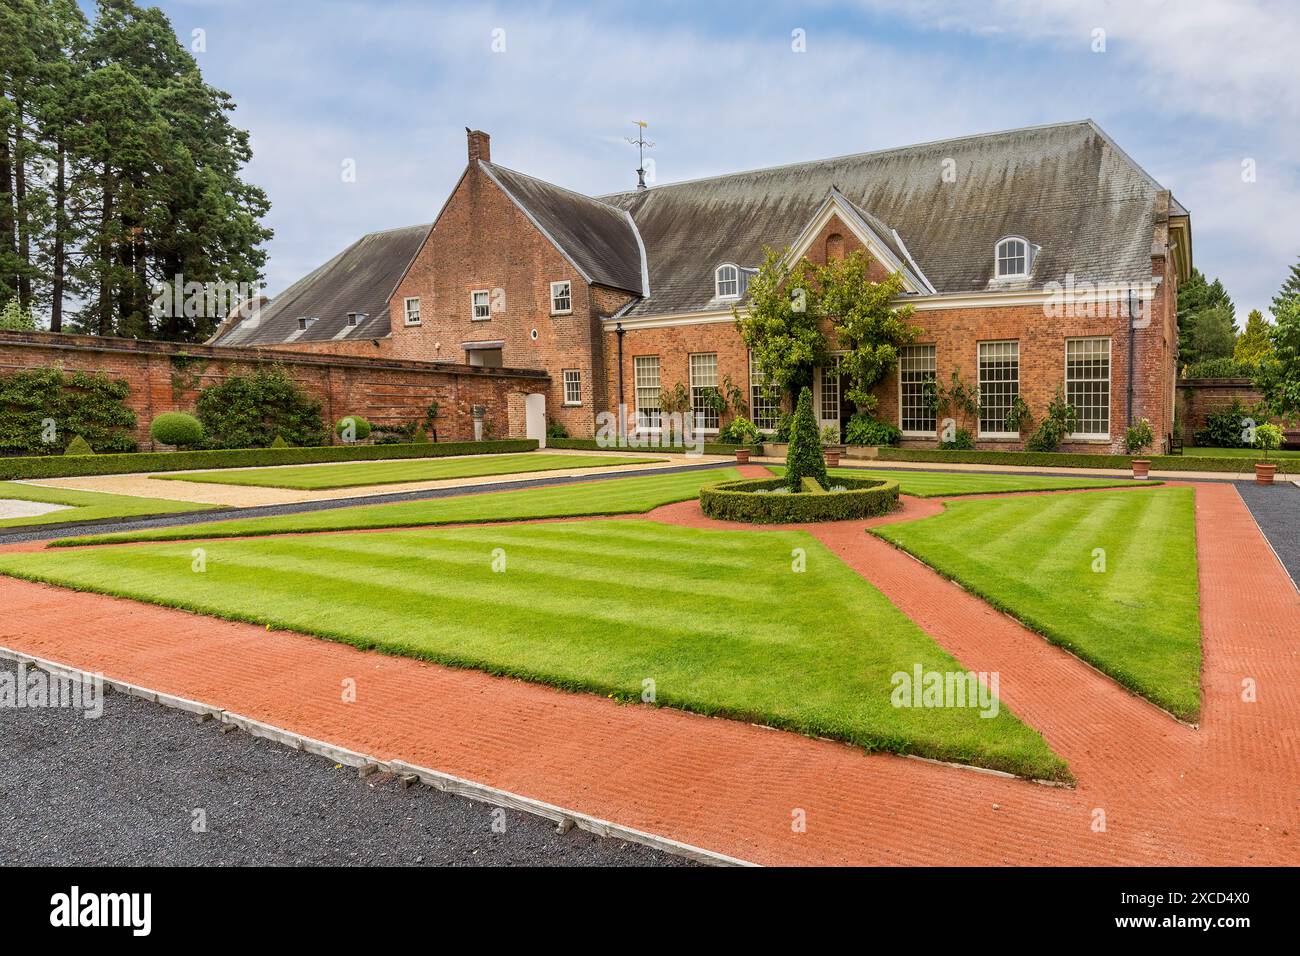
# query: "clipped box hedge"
{"points": [[590, 444], [72, 466], [743, 501], [1046, 459]]}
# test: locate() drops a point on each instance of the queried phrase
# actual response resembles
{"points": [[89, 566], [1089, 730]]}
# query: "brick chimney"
{"points": [[480, 145]]}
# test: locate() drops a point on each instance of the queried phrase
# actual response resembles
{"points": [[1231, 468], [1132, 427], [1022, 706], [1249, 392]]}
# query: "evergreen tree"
{"points": [[1196, 296], [804, 458], [119, 170], [1254, 345], [1290, 291]]}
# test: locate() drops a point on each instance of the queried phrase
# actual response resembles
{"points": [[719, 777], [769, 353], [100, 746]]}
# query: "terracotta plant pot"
{"points": [[1141, 468], [1264, 472], [832, 456], [742, 456]]}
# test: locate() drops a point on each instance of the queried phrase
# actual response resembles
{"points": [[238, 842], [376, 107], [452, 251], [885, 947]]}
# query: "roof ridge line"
{"points": [[565, 189], [858, 155]]}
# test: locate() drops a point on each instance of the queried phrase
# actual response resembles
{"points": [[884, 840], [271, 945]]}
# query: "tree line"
{"points": [[1208, 340], [120, 170]]}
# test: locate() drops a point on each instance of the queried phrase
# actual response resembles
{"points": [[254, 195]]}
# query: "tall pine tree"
{"points": [[119, 170], [1290, 291], [1206, 312]]}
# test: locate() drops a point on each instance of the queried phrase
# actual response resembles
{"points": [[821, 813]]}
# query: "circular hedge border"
{"points": [[738, 501]]}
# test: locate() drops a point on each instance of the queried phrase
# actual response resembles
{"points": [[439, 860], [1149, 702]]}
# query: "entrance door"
{"points": [[828, 396], [535, 418]]}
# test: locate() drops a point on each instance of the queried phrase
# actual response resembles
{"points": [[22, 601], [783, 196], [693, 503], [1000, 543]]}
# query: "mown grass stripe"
{"points": [[628, 601]]}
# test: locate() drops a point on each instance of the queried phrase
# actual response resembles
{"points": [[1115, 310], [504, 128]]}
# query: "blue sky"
{"points": [[1191, 89]]}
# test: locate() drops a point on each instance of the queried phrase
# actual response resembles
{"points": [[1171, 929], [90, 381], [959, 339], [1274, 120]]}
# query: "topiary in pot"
{"points": [[352, 428], [1267, 438], [804, 459], [1138, 438], [176, 428]]}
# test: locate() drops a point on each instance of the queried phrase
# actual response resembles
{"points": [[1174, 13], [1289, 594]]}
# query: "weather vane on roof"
{"points": [[641, 144]]}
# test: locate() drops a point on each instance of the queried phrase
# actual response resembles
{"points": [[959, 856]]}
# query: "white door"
{"points": [[826, 394], [535, 418]]}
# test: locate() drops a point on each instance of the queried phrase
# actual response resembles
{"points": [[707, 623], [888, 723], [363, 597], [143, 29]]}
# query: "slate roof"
{"points": [[599, 239], [1067, 188], [359, 279]]}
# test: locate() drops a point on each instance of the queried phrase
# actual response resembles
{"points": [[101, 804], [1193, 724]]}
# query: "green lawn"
{"points": [[718, 620], [608, 496], [932, 484], [355, 474], [87, 505], [1251, 453], [1033, 556]]}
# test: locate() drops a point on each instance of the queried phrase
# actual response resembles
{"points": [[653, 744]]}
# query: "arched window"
{"points": [[834, 247], [1012, 258], [727, 281]]}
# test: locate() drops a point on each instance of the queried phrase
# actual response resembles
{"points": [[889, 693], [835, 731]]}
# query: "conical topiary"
{"points": [[279, 442], [78, 446], [421, 437], [804, 458]]}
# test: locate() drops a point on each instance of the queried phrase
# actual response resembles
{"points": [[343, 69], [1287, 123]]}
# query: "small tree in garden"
{"points": [[866, 322], [176, 428], [1279, 374], [1062, 418], [781, 324], [804, 459], [249, 411], [1268, 438]]}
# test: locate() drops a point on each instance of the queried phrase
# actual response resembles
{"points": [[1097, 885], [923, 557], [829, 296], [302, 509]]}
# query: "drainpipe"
{"points": [[1131, 345], [622, 423]]}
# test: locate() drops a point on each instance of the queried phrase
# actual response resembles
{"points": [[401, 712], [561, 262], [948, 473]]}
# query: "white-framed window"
{"points": [[480, 301], [916, 415], [645, 378], [356, 318], [561, 298], [764, 406], [306, 322], [411, 310], [830, 392], [572, 386], [726, 281], [1012, 258], [704, 380], [999, 386], [1087, 385]]}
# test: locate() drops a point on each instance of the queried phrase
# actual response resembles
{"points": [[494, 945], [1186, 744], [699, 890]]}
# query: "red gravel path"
{"points": [[1228, 793]]}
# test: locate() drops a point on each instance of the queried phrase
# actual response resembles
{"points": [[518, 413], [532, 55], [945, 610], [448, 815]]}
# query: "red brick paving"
{"points": [[1228, 793]]}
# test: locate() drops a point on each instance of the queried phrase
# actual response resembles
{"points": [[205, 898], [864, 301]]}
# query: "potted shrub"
{"points": [[1267, 438], [1136, 439], [831, 447], [742, 433]]}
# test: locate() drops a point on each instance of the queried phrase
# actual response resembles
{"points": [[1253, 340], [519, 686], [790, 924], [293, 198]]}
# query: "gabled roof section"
{"points": [[882, 242], [360, 279], [600, 240], [1066, 187]]}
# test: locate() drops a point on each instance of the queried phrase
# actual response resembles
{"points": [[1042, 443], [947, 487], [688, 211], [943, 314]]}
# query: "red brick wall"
{"points": [[482, 240], [956, 334], [380, 390], [1198, 399]]}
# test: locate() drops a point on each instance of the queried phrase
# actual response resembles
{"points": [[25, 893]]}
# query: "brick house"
{"points": [[1034, 258]]}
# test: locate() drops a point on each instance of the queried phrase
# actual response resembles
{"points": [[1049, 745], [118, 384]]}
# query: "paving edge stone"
{"points": [[564, 819]]}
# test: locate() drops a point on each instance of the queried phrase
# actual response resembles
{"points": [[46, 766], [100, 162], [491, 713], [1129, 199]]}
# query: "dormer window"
{"points": [[356, 318], [305, 322], [1013, 258], [727, 281]]}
